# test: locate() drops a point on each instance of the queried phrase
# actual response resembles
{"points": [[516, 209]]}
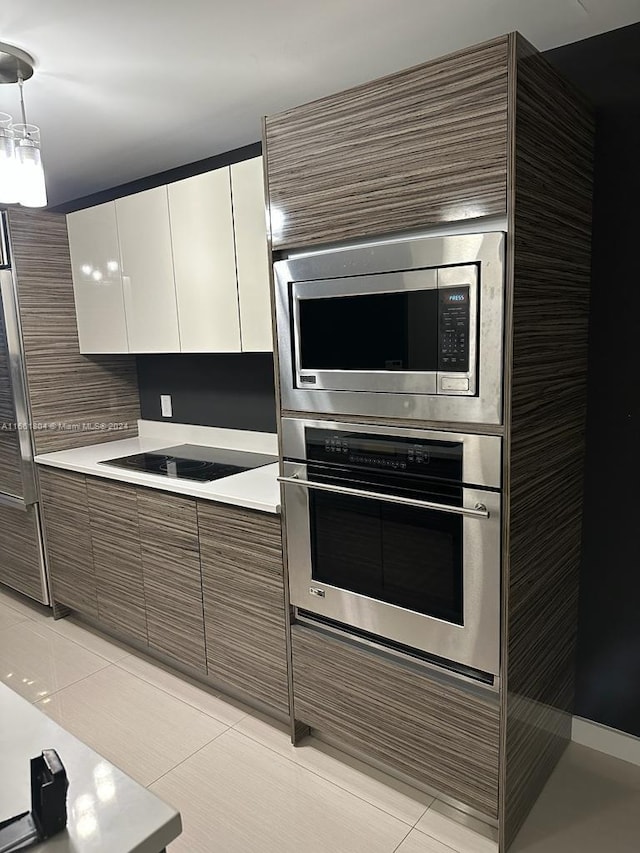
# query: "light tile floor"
{"points": [[242, 787]]}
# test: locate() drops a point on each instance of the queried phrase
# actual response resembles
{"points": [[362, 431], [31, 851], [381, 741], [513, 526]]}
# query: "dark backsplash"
{"points": [[607, 69], [233, 390]]}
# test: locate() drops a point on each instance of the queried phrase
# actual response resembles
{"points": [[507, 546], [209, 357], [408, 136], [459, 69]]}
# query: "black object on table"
{"points": [[48, 815]]}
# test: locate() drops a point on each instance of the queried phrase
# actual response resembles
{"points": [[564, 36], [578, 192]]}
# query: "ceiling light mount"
{"points": [[14, 64]]}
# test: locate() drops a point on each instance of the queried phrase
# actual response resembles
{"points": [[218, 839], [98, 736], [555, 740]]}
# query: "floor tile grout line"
{"points": [[82, 645], [182, 761], [71, 684], [130, 653], [61, 636], [227, 728], [329, 781], [425, 811], [397, 847], [433, 838], [180, 699], [19, 622]]}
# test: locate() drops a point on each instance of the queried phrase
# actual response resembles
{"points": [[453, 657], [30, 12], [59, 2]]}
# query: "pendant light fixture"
{"points": [[21, 172]]}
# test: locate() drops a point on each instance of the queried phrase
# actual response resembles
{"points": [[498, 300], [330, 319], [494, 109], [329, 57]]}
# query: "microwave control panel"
{"points": [[453, 329]]}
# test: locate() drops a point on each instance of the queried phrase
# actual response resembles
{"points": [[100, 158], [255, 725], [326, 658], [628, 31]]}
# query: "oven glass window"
{"points": [[381, 331], [405, 556]]}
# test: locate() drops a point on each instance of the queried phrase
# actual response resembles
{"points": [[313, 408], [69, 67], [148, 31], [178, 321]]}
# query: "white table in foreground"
{"points": [[107, 811]]}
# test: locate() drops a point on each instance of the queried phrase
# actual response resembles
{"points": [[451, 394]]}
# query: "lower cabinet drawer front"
{"points": [[443, 735], [68, 539], [172, 580]]}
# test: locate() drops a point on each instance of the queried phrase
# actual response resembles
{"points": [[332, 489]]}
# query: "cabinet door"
{"points": [[172, 581], [204, 263], [252, 259], [444, 734], [115, 540], [242, 580], [97, 280], [68, 539], [418, 148], [147, 271]]}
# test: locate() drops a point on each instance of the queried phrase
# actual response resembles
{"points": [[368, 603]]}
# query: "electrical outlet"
{"points": [[165, 405]]}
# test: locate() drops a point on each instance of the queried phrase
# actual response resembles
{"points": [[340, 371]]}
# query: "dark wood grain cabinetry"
{"points": [[421, 147], [492, 130], [172, 582], [115, 539], [242, 576], [68, 540], [440, 733], [200, 583], [20, 558]]}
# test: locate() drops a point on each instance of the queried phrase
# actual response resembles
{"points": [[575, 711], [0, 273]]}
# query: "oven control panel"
{"points": [[453, 329], [382, 453]]}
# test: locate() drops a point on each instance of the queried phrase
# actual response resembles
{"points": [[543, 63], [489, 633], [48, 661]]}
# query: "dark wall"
{"points": [[607, 69], [233, 390]]}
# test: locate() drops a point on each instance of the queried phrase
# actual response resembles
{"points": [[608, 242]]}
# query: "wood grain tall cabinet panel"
{"points": [[493, 131], [552, 132], [66, 389]]}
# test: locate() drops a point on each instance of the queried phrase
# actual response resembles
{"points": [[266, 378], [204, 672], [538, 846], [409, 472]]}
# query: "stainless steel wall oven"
{"points": [[408, 328], [394, 534]]}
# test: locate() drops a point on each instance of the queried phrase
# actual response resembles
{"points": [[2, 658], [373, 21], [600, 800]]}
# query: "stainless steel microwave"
{"points": [[407, 328]]}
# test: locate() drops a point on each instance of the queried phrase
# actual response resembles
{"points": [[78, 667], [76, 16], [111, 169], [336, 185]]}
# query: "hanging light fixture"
{"points": [[21, 172]]}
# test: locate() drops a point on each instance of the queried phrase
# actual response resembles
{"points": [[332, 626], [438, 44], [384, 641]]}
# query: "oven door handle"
{"points": [[479, 511]]}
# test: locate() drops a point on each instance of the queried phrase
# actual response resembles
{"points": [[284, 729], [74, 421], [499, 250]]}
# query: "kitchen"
{"points": [[123, 547]]}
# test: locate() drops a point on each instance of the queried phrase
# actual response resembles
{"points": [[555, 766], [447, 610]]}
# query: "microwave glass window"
{"points": [[381, 331], [401, 555]]}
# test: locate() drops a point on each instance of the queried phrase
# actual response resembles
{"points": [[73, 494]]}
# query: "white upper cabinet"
{"points": [[204, 262], [97, 281], [252, 259], [178, 268], [147, 271]]}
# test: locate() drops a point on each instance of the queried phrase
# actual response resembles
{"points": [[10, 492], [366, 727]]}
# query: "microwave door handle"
{"points": [[479, 511]]}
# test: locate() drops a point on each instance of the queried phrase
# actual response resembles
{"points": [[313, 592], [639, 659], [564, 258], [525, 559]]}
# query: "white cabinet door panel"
{"points": [[252, 259], [204, 262], [147, 271], [97, 280]]}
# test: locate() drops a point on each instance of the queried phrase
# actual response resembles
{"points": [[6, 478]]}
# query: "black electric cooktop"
{"points": [[192, 462]]}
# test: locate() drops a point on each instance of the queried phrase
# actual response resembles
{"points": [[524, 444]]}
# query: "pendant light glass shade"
{"points": [[8, 162], [30, 173], [21, 171]]}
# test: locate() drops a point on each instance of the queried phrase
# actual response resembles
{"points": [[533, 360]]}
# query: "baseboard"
{"points": [[610, 741]]}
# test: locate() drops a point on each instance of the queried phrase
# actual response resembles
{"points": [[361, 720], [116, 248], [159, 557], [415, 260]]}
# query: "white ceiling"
{"points": [[127, 88]]}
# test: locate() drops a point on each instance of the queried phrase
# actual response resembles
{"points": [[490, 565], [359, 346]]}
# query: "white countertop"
{"points": [[107, 812], [255, 489]]}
